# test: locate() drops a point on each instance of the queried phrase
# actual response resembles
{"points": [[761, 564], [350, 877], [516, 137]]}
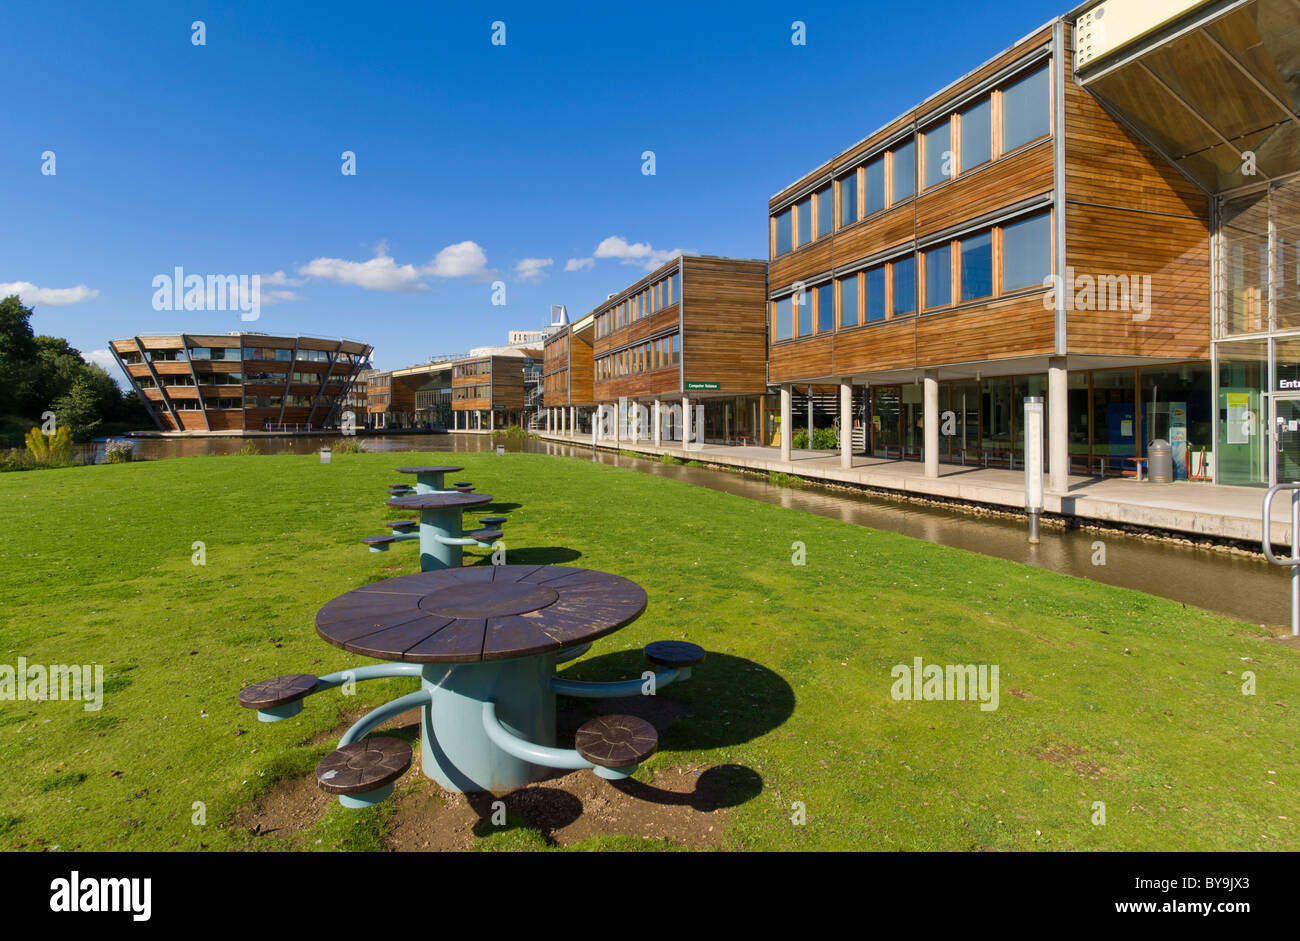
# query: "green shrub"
{"points": [[779, 479], [248, 448], [669, 459], [823, 439], [348, 445]]}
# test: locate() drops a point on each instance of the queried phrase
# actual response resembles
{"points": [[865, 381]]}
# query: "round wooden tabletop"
{"points": [[431, 469], [482, 612], [439, 501]]}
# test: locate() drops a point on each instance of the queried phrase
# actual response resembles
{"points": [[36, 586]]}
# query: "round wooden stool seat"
{"points": [[363, 766], [616, 741]]}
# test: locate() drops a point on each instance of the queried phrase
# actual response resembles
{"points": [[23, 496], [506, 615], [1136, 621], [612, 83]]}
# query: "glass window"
{"points": [[1026, 110], [825, 211], [904, 171], [875, 294], [677, 349], [805, 221], [784, 319], [783, 233], [825, 307], [1027, 252], [977, 266], [904, 286], [803, 301], [938, 277], [849, 199], [875, 197], [977, 135], [849, 301], [938, 153], [677, 286]]}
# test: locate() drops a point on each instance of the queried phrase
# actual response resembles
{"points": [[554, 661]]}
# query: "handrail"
{"points": [[1268, 514], [1267, 544]]}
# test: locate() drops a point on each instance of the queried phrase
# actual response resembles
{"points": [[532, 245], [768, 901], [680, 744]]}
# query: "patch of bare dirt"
{"points": [[687, 805], [1073, 756]]}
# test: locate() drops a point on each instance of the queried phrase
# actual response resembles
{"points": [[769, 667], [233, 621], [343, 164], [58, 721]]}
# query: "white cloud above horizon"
{"points": [[381, 273], [533, 269], [462, 260], [30, 294], [642, 254]]}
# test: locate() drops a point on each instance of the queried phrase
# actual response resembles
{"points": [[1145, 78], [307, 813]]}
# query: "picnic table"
{"points": [[429, 477], [440, 530], [485, 642]]}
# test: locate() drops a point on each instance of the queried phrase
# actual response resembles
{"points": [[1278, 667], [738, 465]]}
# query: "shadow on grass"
{"points": [[726, 701], [718, 787]]}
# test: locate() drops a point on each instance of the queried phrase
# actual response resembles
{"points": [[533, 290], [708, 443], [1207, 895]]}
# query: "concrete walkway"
{"points": [[1183, 506]]}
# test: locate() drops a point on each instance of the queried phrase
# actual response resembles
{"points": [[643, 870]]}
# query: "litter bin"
{"points": [[1160, 462]]}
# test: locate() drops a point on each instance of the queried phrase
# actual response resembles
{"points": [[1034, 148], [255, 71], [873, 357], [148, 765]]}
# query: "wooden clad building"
{"points": [[488, 392], [234, 382], [568, 378], [691, 336], [1007, 237]]}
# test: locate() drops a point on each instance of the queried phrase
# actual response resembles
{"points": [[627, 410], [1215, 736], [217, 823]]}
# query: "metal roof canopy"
{"points": [[1214, 87]]}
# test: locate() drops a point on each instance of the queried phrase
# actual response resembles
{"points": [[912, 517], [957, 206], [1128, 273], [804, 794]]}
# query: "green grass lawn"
{"points": [[1105, 694]]}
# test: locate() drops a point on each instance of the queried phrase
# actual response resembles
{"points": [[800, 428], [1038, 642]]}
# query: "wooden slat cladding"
{"points": [[1002, 329], [1006, 182], [508, 381], [801, 359], [803, 262], [959, 88], [1174, 252], [1130, 213], [888, 229], [725, 324], [888, 345], [638, 330], [663, 382], [1107, 164], [722, 322], [581, 375]]}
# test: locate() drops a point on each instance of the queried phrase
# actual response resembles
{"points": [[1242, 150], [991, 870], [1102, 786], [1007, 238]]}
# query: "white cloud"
{"points": [[31, 294], [462, 260], [637, 253], [279, 297], [578, 264], [280, 278], [533, 269], [104, 359], [380, 273]]}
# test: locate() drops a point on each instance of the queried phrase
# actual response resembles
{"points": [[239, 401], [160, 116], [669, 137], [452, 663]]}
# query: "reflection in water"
{"points": [[1243, 587]]}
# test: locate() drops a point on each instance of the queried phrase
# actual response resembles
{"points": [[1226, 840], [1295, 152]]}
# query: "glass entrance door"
{"points": [[884, 421], [1285, 439]]}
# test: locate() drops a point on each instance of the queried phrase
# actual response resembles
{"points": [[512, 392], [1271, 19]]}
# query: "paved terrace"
{"points": [[1183, 507]]}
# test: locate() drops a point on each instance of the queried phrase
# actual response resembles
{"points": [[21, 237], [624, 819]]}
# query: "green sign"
{"points": [[703, 386]]}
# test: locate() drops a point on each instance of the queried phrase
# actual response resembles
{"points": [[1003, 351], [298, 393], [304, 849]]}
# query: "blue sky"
{"points": [[471, 158]]}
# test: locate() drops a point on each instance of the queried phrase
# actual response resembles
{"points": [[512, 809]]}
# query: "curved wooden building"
{"points": [[234, 382]]}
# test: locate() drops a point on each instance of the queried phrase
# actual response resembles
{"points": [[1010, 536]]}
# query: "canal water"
{"points": [[1240, 586]]}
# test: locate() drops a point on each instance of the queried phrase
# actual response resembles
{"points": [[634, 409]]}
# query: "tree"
{"points": [[81, 408], [18, 358]]}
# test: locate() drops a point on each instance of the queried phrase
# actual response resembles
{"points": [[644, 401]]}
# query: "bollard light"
{"points": [[1033, 463], [325, 455]]}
